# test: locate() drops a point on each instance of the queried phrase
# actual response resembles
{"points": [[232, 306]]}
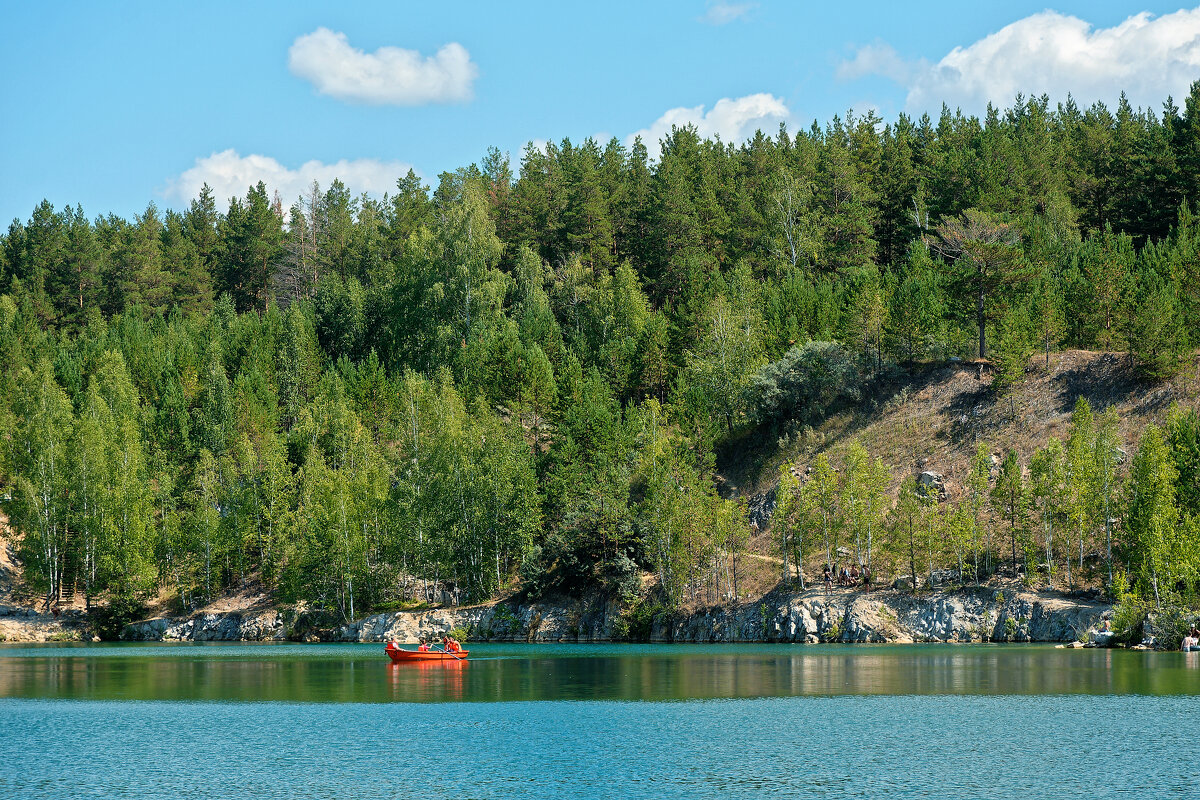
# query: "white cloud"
{"points": [[734, 120], [230, 174], [1051, 53], [722, 13], [389, 76], [879, 58]]}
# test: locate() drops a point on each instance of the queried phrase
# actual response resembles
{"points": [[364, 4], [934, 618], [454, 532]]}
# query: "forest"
{"points": [[523, 376]]}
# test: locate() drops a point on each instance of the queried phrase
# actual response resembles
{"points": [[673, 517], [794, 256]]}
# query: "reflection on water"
{"points": [[361, 673]]}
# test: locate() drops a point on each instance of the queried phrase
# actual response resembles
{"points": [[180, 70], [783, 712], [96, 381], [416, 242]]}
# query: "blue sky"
{"points": [[114, 105]]}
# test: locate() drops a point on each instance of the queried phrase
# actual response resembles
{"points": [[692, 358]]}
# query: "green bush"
{"points": [[637, 624], [108, 621], [624, 578], [805, 384]]}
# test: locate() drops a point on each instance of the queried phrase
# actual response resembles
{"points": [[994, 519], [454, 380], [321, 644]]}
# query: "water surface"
{"points": [[359, 673], [739, 721]]}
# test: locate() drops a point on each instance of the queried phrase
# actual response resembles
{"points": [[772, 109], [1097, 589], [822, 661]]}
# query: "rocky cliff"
{"points": [[972, 614]]}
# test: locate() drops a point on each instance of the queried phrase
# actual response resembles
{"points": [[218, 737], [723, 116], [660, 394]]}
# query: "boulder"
{"points": [[932, 484], [931, 478]]}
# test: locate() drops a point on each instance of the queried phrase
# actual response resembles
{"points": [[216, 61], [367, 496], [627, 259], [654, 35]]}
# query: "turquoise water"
{"points": [[338, 721]]}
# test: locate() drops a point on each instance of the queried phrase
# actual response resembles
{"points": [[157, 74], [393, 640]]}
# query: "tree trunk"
{"points": [[982, 322], [912, 556]]}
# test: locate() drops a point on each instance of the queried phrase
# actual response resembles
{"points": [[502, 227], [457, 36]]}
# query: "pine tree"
{"points": [[251, 245], [1047, 316], [1158, 333], [915, 306], [988, 265], [1011, 355]]}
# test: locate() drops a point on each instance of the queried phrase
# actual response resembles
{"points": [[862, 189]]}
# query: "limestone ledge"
{"points": [[971, 614]]}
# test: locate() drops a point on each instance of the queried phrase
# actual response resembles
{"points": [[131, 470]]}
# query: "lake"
{"points": [[340, 721]]}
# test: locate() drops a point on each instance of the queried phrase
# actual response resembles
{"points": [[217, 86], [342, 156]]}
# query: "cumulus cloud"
{"points": [[734, 120], [722, 13], [1148, 57], [230, 174], [389, 76]]}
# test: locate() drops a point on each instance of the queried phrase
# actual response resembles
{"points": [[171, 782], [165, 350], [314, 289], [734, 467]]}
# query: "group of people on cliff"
{"points": [[847, 577]]}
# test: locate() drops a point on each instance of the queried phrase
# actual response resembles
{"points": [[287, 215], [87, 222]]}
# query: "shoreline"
{"points": [[969, 614]]}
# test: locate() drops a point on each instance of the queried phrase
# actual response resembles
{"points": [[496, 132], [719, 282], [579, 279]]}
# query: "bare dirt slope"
{"points": [[22, 619], [934, 419]]}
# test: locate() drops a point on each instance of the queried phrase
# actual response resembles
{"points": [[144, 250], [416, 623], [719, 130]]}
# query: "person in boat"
{"points": [[423, 646], [452, 646]]}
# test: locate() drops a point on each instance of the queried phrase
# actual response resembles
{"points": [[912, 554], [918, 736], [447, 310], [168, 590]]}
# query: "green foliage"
{"points": [[988, 264], [524, 378], [637, 623], [1183, 437], [1010, 501], [1158, 331], [906, 528], [1011, 354], [805, 384], [1165, 545], [107, 621], [916, 312]]}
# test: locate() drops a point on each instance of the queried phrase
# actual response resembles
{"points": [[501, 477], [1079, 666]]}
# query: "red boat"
{"points": [[401, 656]]}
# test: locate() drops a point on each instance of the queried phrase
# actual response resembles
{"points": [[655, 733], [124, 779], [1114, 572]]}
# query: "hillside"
{"points": [[929, 419], [933, 418]]}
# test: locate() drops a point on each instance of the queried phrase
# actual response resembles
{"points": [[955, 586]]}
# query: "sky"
{"points": [[117, 105]]}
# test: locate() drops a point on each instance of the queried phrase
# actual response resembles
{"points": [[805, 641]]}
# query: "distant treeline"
{"points": [[525, 377]]}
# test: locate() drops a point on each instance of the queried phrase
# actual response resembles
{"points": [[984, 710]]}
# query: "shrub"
{"points": [[624, 578], [108, 621], [637, 623], [805, 384]]}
